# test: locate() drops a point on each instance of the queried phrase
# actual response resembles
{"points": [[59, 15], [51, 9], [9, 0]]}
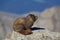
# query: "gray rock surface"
{"points": [[49, 19], [37, 35]]}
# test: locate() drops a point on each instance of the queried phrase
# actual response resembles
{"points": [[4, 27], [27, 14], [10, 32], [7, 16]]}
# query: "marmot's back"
{"points": [[19, 21], [18, 24]]}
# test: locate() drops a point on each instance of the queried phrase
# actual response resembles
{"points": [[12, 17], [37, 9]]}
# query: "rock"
{"points": [[49, 19], [36, 35]]}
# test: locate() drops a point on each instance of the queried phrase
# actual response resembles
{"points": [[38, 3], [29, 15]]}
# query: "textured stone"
{"points": [[37, 35]]}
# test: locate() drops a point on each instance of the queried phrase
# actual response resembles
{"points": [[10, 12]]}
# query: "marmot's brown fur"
{"points": [[23, 25]]}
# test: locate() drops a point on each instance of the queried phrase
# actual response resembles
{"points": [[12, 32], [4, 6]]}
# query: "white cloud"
{"points": [[41, 1]]}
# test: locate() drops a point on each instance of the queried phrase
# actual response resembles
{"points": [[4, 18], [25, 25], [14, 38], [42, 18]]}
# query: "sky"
{"points": [[26, 6]]}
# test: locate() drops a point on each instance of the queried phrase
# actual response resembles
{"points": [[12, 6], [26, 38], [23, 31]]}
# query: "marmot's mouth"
{"points": [[34, 18]]}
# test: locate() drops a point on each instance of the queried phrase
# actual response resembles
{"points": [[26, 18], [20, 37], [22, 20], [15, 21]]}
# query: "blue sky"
{"points": [[25, 6]]}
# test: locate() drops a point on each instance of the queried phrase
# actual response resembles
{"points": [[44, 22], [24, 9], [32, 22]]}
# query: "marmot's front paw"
{"points": [[26, 32]]}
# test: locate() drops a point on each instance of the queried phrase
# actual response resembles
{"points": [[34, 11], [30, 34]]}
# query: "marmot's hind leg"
{"points": [[26, 32]]}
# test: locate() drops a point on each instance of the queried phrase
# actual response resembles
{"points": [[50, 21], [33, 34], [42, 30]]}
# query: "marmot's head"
{"points": [[34, 18]]}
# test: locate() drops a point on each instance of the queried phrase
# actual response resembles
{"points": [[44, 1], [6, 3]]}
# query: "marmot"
{"points": [[23, 25]]}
